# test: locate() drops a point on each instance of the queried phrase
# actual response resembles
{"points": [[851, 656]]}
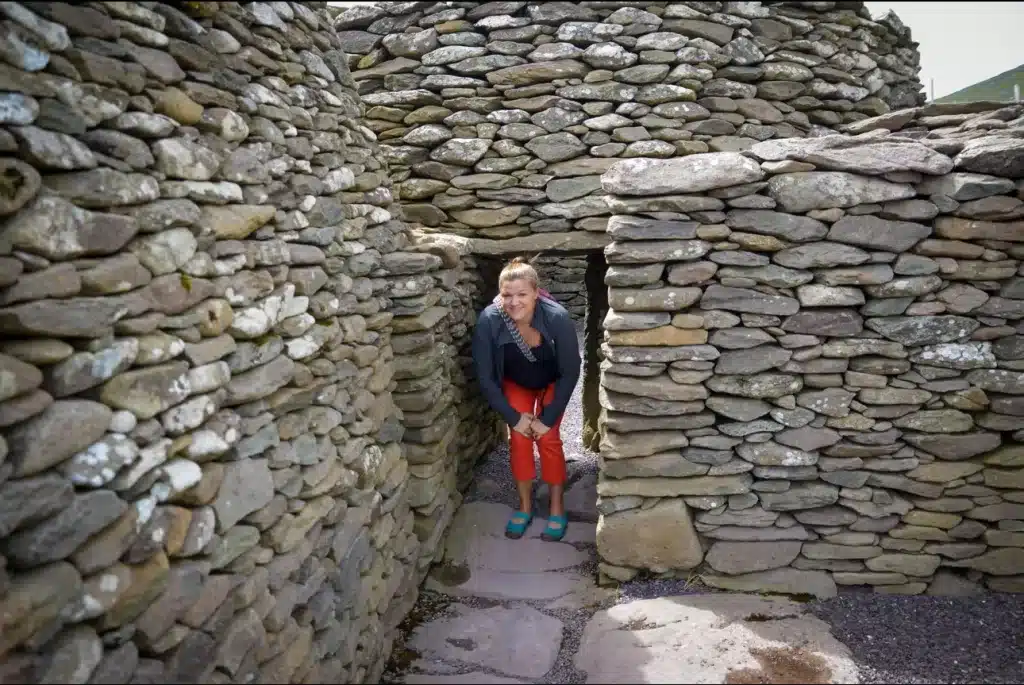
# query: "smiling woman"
{"points": [[528, 363]]}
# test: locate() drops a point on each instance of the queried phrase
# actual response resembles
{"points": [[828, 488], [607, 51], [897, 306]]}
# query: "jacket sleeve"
{"points": [[483, 362], [568, 350]]}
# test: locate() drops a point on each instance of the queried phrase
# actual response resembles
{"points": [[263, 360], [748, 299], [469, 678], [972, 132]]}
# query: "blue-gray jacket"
{"points": [[490, 335]]}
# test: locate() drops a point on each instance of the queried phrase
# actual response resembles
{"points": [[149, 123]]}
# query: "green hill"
{"points": [[998, 88]]}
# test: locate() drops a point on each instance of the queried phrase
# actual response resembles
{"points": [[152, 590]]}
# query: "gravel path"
{"points": [[894, 639], [926, 639]]}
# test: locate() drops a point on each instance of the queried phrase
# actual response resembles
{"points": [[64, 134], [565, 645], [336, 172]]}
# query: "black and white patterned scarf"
{"points": [[513, 329]]}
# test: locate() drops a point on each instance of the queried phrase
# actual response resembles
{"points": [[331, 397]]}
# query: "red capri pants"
{"points": [[552, 459]]}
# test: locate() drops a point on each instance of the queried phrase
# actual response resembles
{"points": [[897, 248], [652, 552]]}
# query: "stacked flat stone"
{"points": [[563, 278], [202, 475], [474, 427], [497, 118], [429, 327], [479, 428], [818, 345]]}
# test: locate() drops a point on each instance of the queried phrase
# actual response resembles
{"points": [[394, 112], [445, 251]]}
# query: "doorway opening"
{"points": [[575, 280]]}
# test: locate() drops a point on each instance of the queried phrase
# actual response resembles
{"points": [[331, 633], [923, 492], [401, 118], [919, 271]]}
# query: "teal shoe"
{"points": [[517, 525], [555, 529]]}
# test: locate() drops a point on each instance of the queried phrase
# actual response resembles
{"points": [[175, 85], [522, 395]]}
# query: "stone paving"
{"points": [[496, 610]]}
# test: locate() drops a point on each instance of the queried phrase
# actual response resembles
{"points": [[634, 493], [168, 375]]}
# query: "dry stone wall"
{"points": [[562, 276], [448, 423], [814, 360], [497, 118], [214, 465]]}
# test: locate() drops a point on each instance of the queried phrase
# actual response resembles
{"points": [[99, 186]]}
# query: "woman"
{"points": [[527, 361]]}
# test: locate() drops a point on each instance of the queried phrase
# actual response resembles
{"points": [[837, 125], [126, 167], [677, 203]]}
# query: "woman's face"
{"points": [[518, 298]]}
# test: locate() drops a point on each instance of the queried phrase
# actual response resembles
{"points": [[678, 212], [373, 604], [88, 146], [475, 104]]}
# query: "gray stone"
{"points": [[537, 72], [737, 408], [640, 228], [461, 636], [647, 251], [748, 361], [870, 158], [723, 630], [787, 226], [653, 300], [51, 150], [955, 447], [148, 391], [247, 486], [878, 234], [784, 580], [461, 151], [56, 229], [807, 438], [773, 454], [177, 158], [936, 421], [556, 147], [923, 330], [803, 191], [661, 535], [762, 385], [733, 558], [691, 174], [964, 187], [820, 255], [801, 496], [73, 656], [746, 300], [832, 322], [996, 155], [43, 441], [104, 188], [59, 536], [28, 500]]}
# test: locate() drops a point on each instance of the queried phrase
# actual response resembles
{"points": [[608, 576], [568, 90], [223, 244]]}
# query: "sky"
{"points": [[961, 43]]}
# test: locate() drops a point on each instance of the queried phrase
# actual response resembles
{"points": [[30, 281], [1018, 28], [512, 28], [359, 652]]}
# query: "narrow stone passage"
{"points": [[496, 610]]}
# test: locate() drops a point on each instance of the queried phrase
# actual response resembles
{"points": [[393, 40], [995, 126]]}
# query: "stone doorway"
{"points": [[580, 425], [576, 280]]}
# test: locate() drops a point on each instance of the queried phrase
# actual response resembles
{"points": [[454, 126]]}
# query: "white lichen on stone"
{"points": [[209, 377], [968, 355], [149, 457], [206, 444], [98, 464], [188, 415], [144, 507]]}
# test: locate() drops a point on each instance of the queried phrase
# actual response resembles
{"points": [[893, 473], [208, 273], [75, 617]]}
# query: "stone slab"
{"points": [[518, 642], [549, 243], [477, 540], [491, 584], [701, 638], [491, 517]]}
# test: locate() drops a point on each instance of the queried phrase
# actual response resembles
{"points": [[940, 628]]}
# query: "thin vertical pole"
{"points": [[1016, 92], [931, 89]]}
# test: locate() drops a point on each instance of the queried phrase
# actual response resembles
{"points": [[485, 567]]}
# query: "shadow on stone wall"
{"points": [[222, 457]]}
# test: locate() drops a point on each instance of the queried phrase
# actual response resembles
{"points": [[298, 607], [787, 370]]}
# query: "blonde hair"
{"points": [[519, 269]]}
